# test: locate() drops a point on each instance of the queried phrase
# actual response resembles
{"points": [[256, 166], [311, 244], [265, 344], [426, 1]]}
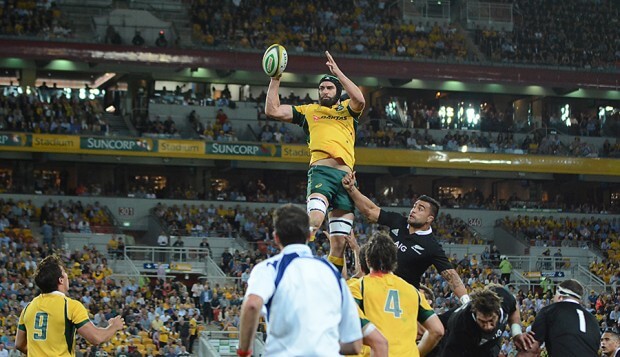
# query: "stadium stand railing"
{"points": [[530, 269], [183, 259], [520, 281], [589, 280], [126, 269], [426, 11], [478, 14]]}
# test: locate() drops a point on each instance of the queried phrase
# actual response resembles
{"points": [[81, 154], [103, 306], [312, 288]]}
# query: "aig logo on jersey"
{"points": [[403, 248]]}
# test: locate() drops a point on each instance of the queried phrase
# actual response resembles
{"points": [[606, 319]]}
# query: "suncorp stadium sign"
{"points": [[116, 144], [243, 149]]}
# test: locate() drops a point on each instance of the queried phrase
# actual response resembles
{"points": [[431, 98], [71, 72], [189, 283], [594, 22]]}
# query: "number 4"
{"points": [[392, 303], [40, 324]]}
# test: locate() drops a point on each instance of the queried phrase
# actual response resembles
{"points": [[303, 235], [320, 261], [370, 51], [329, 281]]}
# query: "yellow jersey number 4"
{"points": [[392, 303]]}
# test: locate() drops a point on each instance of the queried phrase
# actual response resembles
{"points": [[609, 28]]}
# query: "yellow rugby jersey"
{"points": [[50, 322], [363, 321], [394, 307], [330, 132]]}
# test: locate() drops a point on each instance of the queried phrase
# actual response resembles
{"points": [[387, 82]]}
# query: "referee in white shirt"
{"points": [[309, 308]]}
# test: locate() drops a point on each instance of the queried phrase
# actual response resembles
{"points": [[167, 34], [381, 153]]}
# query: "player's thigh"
{"points": [[340, 223], [317, 206], [327, 181], [321, 180]]}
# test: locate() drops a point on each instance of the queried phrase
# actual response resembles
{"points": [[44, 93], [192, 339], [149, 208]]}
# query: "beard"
{"points": [[415, 224], [328, 102]]}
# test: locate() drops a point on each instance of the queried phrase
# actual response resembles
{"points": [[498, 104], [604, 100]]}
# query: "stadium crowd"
{"points": [[558, 33], [41, 18], [45, 111], [54, 217], [163, 316], [567, 232], [256, 225], [257, 190], [56, 114], [370, 28]]}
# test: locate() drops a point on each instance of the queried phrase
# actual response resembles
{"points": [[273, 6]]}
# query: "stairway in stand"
{"points": [[82, 13], [174, 11], [117, 125]]}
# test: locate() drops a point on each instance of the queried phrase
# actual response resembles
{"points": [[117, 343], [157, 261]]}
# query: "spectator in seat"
{"points": [[112, 246], [226, 260], [137, 40], [120, 247], [178, 243]]}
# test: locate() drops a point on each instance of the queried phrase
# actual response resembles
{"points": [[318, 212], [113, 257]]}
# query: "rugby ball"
{"points": [[275, 60]]}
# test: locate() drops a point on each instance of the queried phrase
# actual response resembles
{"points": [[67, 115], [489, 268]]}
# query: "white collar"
{"points": [[423, 233], [56, 292], [302, 249], [567, 299]]}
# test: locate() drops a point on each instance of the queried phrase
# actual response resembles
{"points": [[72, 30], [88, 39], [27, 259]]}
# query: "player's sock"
{"points": [[337, 261]]}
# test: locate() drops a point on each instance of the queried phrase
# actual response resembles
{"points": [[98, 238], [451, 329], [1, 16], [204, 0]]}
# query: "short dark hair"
{"points": [[363, 262], [381, 252], [574, 286], [614, 332], [433, 202], [291, 224], [48, 272], [428, 293], [485, 301]]}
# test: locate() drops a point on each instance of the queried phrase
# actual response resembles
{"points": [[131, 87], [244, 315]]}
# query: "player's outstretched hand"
{"points": [[524, 341], [352, 242], [331, 64], [117, 323], [348, 181]]}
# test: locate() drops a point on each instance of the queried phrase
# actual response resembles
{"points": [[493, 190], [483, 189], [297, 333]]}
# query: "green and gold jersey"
{"points": [[50, 322], [330, 131], [363, 320], [394, 307]]}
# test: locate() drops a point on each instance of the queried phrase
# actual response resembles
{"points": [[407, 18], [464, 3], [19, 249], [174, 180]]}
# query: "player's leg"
{"points": [[316, 206], [340, 226], [340, 220], [318, 196]]}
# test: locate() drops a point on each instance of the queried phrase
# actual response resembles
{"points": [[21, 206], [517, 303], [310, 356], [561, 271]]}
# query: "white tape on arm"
{"points": [[465, 299], [515, 329]]}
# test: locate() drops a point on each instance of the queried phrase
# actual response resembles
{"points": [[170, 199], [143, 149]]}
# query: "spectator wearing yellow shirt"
{"points": [[112, 246], [164, 335], [193, 333], [76, 270], [157, 324], [98, 275], [107, 271]]}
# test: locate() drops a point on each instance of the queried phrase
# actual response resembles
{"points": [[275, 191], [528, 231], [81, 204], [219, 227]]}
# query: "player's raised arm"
{"points": [[456, 284], [357, 98], [366, 207], [273, 108]]}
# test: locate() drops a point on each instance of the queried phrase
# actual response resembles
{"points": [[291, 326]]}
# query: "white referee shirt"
{"points": [[310, 311]]}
